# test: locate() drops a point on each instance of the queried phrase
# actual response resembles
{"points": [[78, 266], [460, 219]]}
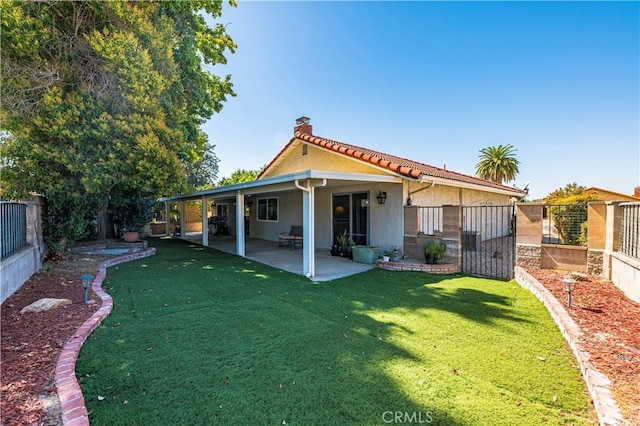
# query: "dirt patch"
{"points": [[611, 325]]}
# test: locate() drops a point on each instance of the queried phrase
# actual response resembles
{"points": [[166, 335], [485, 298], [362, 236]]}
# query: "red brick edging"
{"points": [[74, 412], [597, 383]]}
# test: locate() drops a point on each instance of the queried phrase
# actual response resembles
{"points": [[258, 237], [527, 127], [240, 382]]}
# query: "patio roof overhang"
{"points": [[280, 183]]}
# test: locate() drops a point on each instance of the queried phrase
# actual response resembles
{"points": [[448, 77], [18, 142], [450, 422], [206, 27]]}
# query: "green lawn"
{"points": [[197, 336]]}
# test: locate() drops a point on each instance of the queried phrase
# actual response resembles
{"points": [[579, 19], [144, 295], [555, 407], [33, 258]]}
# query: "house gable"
{"points": [[300, 156]]}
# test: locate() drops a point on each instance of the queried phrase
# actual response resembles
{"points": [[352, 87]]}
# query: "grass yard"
{"points": [[197, 336]]}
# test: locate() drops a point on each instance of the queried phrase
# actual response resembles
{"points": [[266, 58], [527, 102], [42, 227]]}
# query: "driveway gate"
{"points": [[488, 240]]}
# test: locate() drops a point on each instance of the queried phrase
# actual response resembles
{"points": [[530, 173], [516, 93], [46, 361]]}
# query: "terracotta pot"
{"points": [[130, 236]]}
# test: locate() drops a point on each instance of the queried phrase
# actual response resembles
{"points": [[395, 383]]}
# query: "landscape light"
{"points": [[86, 283]]}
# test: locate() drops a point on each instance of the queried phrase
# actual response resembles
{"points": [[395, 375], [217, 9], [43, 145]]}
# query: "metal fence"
{"points": [[564, 224], [488, 243], [13, 228], [630, 230], [430, 220]]}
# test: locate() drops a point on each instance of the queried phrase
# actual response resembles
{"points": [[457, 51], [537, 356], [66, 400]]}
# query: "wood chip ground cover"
{"points": [[611, 325]]}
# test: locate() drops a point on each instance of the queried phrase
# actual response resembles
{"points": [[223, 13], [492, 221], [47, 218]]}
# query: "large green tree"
{"points": [[107, 98], [240, 176], [498, 164]]}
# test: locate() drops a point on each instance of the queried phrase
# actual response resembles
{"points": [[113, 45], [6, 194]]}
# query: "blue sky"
{"points": [[438, 81]]}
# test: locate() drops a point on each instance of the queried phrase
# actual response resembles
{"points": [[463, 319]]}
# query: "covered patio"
{"points": [[327, 267], [296, 193]]}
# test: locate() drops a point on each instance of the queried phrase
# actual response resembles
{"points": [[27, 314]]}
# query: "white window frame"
{"points": [[266, 200]]}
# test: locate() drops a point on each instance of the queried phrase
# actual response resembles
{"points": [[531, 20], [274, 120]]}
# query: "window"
{"points": [[268, 209]]}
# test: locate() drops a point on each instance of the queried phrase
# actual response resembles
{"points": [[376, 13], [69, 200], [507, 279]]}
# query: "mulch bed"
{"points": [[611, 325], [31, 343]]}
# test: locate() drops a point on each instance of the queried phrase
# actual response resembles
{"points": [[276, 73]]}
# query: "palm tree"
{"points": [[498, 164]]}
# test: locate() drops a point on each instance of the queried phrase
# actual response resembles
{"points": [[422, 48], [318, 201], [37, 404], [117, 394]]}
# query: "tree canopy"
{"points": [[571, 193], [102, 98], [240, 176], [498, 163]]}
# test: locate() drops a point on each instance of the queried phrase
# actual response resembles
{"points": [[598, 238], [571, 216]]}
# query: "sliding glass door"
{"points": [[351, 213]]}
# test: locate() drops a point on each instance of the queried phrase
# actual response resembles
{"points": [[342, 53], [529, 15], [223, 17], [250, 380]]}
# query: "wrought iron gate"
{"points": [[488, 240]]}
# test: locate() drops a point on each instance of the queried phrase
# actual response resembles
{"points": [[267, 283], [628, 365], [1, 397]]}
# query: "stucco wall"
{"points": [[386, 221], [438, 195], [289, 213]]}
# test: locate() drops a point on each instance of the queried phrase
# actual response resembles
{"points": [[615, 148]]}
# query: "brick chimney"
{"points": [[303, 126], [636, 192]]}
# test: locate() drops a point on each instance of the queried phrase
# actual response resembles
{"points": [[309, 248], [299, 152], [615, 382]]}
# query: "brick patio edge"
{"points": [[72, 405], [609, 413]]}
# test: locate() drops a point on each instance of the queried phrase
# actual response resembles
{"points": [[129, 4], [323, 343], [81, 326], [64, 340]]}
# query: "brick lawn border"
{"points": [[74, 412], [598, 384]]}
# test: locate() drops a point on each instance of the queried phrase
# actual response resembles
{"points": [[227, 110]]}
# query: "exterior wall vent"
{"points": [[304, 149]]}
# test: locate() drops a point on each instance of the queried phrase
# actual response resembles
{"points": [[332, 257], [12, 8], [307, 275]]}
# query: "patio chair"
{"points": [[291, 239]]}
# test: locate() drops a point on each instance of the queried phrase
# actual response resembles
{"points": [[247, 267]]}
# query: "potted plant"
{"points": [[434, 251], [394, 256], [345, 244], [130, 213]]}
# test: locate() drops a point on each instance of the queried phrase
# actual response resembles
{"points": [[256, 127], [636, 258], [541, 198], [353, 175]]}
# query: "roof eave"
{"points": [[281, 182]]}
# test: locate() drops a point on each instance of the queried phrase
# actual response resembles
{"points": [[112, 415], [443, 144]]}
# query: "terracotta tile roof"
{"points": [[402, 166]]}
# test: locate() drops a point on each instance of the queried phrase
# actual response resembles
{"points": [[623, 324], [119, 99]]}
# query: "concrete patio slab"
{"points": [[327, 267]]}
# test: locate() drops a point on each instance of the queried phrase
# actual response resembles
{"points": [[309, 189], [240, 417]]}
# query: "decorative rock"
{"points": [[45, 304], [579, 276]]}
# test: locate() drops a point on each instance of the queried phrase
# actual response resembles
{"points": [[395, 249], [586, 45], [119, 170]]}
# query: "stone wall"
{"points": [[528, 256], [594, 261]]}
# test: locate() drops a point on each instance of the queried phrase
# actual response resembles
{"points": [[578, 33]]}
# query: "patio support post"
{"points": [[308, 255], [205, 222], [167, 218], [240, 247], [309, 227], [308, 258], [183, 228]]}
